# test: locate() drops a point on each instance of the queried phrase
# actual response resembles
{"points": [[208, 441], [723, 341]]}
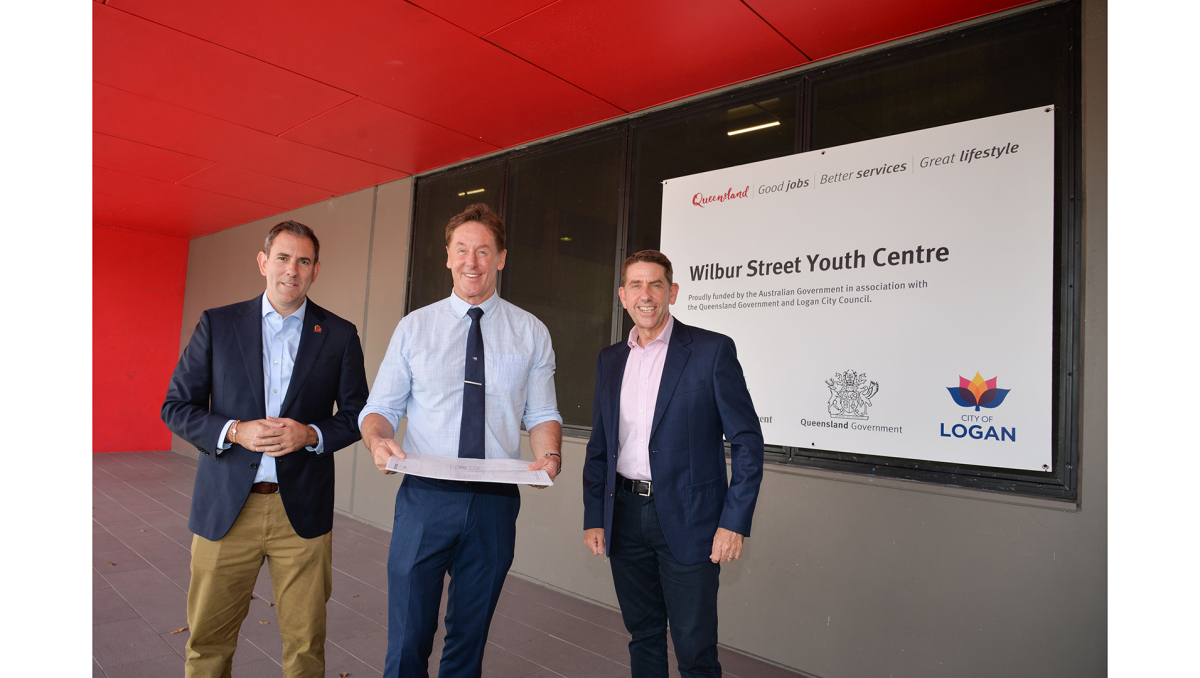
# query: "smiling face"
{"points": [[290, 270], [474, 260], [647, 297]]}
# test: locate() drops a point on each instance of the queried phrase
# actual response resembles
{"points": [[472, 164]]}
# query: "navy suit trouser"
{"points": [[467, 530], [654, 588]]}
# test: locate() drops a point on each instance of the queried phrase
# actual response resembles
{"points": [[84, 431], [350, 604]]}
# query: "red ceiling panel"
{"points": [[652, 52], [179, 69], [145, 216], [147, 161], [823, 28], [396, 54], [191, 200], [481, 18], [240, 183], [151, 122], [104, 205], [368, 131]]}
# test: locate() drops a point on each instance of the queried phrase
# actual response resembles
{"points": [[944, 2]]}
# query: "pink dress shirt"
{"points": [[639, 394]]}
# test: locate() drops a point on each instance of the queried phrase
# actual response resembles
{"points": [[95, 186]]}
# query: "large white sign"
{"points": [[891, 297]]}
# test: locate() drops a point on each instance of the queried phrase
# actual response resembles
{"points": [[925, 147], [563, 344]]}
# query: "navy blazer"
{"points": [[702, 398], [220, 377]]}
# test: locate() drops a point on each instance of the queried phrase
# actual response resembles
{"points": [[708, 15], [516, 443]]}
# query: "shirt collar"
{"points": [[269, 310], [664, 336], [460, 307]]}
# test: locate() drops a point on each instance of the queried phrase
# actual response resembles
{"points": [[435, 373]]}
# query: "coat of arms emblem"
{"points": [[850, 395]]}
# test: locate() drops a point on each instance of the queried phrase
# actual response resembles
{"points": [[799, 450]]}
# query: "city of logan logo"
{"points": [[850, 395], [978, 393]]}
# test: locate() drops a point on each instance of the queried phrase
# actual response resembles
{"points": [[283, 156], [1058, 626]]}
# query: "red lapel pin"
{"points": [[316, 328]]}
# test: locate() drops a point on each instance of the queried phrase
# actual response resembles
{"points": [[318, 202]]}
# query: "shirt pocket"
{"points": [[507, 373]]}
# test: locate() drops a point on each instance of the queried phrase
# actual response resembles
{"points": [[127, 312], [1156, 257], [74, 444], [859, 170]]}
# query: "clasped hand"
{"points": [[275, 436]]}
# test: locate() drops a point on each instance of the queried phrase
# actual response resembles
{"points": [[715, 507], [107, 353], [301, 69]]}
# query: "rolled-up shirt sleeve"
{"points": [[393, 384], [541, 402]]}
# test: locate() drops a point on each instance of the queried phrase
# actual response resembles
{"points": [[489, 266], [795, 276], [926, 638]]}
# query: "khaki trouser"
{"points": [[223, 576]]}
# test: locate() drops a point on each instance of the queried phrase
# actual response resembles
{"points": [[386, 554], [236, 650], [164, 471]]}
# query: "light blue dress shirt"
{"points": [[422, 377], [281, 338]]}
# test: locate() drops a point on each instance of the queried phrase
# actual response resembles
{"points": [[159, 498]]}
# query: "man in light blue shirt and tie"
{"points": [[255, 392], [467, 371]]}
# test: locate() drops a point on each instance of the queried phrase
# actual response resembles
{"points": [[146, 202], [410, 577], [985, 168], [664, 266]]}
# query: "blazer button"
{"points": [[253, 465]]}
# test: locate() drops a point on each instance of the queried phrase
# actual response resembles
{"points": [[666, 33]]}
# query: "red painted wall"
{"points": [[137, 306]]}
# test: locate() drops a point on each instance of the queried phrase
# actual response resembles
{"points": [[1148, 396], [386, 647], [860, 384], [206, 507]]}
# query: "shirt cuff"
{"points": [[222, 444], [320, 447]]}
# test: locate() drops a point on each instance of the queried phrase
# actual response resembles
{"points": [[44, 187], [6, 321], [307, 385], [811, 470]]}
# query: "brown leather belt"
{"points": [[264, 488], [642, 488]]}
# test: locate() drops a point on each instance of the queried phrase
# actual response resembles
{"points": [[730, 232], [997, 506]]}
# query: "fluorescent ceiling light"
{"points": [[751, 129], [478, 190]]}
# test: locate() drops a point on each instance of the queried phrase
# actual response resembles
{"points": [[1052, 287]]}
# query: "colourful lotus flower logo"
{"points": [[978, 393]]}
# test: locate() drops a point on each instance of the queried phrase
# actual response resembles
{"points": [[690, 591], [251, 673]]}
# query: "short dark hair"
{"points": [[483, 214], [648, 257], [297, 229]]}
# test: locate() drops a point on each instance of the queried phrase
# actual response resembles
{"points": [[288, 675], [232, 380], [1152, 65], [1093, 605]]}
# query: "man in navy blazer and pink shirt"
{"points": [[655, 492]]}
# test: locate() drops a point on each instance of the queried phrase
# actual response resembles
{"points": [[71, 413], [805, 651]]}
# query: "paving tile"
{"points": [[338, 660], [150, 668], [568, 659], [561, 625], [507, 632], [518, 586], [368, 572], [172, 564], [342, 622], [157, 599], [500, 663], [369, 602], [98, 580], [263, 668], [369, 648], [97, 672], [120, 559], [125, 642], [154, 544], [109, 606]]}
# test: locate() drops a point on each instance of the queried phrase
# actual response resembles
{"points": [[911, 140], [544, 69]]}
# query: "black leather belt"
{"points": [[264, 488], [642, 488]]}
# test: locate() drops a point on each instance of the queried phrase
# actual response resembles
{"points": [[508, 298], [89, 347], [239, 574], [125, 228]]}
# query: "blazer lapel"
{"points": [[677, 357], [306, 353], [613, 402], [249, 336]]}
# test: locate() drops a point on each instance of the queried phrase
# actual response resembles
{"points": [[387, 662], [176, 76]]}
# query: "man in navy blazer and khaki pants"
{"points": [[255, 391], [655, 492]]}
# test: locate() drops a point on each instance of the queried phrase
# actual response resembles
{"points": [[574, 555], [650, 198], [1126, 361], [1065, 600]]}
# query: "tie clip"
{"points": [[475, 383]]}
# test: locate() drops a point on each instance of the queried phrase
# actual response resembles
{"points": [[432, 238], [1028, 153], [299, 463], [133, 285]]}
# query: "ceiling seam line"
{"points": [[177, 182], [390, 108], [509, 23], [555, 75], [314, 117], [235, 51], [230, 122], [777, 31]]}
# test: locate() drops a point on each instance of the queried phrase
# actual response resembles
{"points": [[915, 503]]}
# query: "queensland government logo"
{"points": [[850, 395], [979, 393]]}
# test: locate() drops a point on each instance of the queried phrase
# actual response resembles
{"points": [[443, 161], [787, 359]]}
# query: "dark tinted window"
{"points": [[438, 200], [967, 78], [702, 142], [563, 217]]}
